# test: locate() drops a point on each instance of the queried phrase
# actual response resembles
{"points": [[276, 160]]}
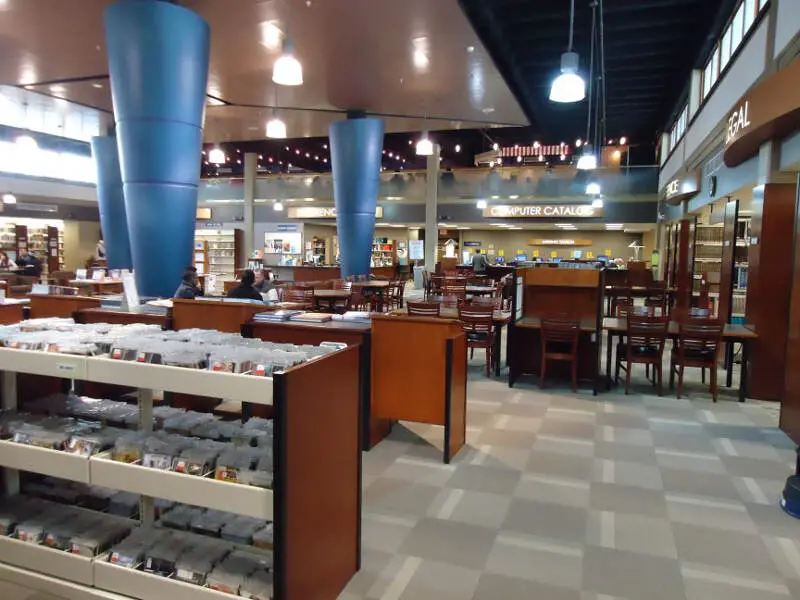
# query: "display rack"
{"points": [[315, 502], [201, 256], [318, 250], [223, 250], [383, 252]]}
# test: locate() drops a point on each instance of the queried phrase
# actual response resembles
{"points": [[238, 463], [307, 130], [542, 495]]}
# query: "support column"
{"points": [[431, 208], [111, 202], [158, 56], [250, 167], [356, 163], [770, 274]]}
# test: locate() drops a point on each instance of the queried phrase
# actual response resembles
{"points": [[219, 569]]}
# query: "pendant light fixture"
{"points": [[276, 128], [424, 145], [588, 160], [278, 205], [216, 156], [569, 86], [287, 70]]}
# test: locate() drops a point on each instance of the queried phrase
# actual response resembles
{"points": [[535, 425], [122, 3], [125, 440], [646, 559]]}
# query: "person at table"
{"points": [[100, 250], [6, 263], [479, 262], [262, 284], [188, 289], [28, 264], [245, 289]]}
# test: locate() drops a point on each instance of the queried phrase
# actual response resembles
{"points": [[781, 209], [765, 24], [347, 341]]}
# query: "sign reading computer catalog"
{"points": [[546, 211]]}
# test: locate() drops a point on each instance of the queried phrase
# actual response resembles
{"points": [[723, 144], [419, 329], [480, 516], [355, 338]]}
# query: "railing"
{"points": [[508, 183]]}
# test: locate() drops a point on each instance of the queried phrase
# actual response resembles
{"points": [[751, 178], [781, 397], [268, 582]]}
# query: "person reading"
{"points": [[245, 289]]}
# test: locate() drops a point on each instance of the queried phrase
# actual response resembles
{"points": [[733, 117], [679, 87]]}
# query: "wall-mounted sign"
{"points": [[547, 211], [558, 242], [287, 227], [738, 121], [682, 188], [320, 212], [212, 225], [771, 111], [416, 249], [472, 244], [203, 214]]}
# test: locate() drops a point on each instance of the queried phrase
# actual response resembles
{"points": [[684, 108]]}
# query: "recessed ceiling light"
{"points": [[470, 49], [98, 86]]}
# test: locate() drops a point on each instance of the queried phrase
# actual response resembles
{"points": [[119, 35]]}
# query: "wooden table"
{"points": [[731, 333], [120, 317], [101, 286], [499, 317], [636, 291], [373, 288], [478, 290], [326, 299]]}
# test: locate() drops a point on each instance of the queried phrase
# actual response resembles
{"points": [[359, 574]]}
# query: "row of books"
{"points": [[310, 317]]}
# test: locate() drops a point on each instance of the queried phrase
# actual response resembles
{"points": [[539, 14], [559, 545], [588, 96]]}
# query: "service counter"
{"points": [[324, 273]]}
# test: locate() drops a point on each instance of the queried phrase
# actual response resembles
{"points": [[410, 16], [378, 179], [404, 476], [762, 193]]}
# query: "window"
{"points": [[679, 128], [744, 17], [725, 49]]}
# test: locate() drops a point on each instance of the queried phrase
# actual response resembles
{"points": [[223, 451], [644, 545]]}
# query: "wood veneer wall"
{"points": [[770, 286], [790, 405]]}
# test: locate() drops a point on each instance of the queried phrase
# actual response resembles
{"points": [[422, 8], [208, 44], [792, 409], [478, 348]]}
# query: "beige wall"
{"points": [[512, 241], [80, 239]]}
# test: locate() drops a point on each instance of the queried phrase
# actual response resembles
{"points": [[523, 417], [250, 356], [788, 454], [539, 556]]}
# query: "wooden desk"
{"points": [[225, 315], [119, 317], [732, 333], [346, 332], [419, 373], [373, 288], [45, 305], [103, 286], [636, 291], [326, 299], [479, 290], [10, 313], [501, 318]]}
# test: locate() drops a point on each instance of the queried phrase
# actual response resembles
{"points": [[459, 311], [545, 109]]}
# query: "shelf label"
{"points": [[64, 368]]}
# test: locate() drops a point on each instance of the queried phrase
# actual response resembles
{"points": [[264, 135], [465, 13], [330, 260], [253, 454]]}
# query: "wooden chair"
{"points": [[479, 327], [394, 298], [300, 296], [644, 344], [560, 342], [458, 290], [496, 302], [426, 284], [657, 298], [623, 307], [697, 346], [339, 284], [423, 309], [436, 285], [624, 296]]}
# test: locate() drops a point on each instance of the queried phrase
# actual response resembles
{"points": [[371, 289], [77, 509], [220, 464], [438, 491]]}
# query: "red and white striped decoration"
{"points": [[540, 150]]}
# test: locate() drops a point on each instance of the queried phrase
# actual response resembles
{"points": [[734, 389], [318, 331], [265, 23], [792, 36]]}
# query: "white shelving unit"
{"points": [[302, 395]]}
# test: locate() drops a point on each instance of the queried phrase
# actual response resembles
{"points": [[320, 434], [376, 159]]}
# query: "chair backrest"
{"points": [[646, 331], [699, 335], [476, 318], [459, 290], [496, 302], [298, 295], [342, 285], [624, 306], [560, 330], [423, 309]]}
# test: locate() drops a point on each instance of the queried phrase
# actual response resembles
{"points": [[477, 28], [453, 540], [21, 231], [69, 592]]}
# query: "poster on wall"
{"points": [[416, 249]]}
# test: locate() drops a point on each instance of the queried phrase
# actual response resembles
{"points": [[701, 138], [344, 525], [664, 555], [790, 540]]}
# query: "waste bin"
{"points": [[418, 281]]}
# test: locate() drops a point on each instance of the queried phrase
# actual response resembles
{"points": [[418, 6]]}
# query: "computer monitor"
{"points": [[500, 260], [603, 259], [555, 260], [522, 257]]}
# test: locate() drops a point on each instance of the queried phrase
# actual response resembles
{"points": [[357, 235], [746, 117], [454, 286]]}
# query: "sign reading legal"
{"points": [[320, 212], [738, 121], [546, 211], [673, 187]]}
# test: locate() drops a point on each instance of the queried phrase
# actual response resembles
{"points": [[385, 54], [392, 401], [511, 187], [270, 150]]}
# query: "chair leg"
{"points": [[574, 374], [543, 371], [647, 371], [714, 383], [671, 375], [628, 378], [680, 381], [619, 365], [703, 374], [471, 353], [660, 367], [488, 351]]}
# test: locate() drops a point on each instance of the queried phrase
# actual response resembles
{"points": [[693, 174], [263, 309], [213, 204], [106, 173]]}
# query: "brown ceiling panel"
{"points": [[410, 58]]}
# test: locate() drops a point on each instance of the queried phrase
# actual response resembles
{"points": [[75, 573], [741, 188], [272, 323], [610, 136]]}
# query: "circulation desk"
{"points": [[575, 294], [346, 332]]}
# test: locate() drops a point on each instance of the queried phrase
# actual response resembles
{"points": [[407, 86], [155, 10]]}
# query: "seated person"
{"points": [[188, 289], [6, 263], [262, 284], [245, 289], [28, 264]]}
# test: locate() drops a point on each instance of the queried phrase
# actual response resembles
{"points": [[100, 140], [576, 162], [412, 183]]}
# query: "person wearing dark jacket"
{"points": [[188, 289], [245, 289]]}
